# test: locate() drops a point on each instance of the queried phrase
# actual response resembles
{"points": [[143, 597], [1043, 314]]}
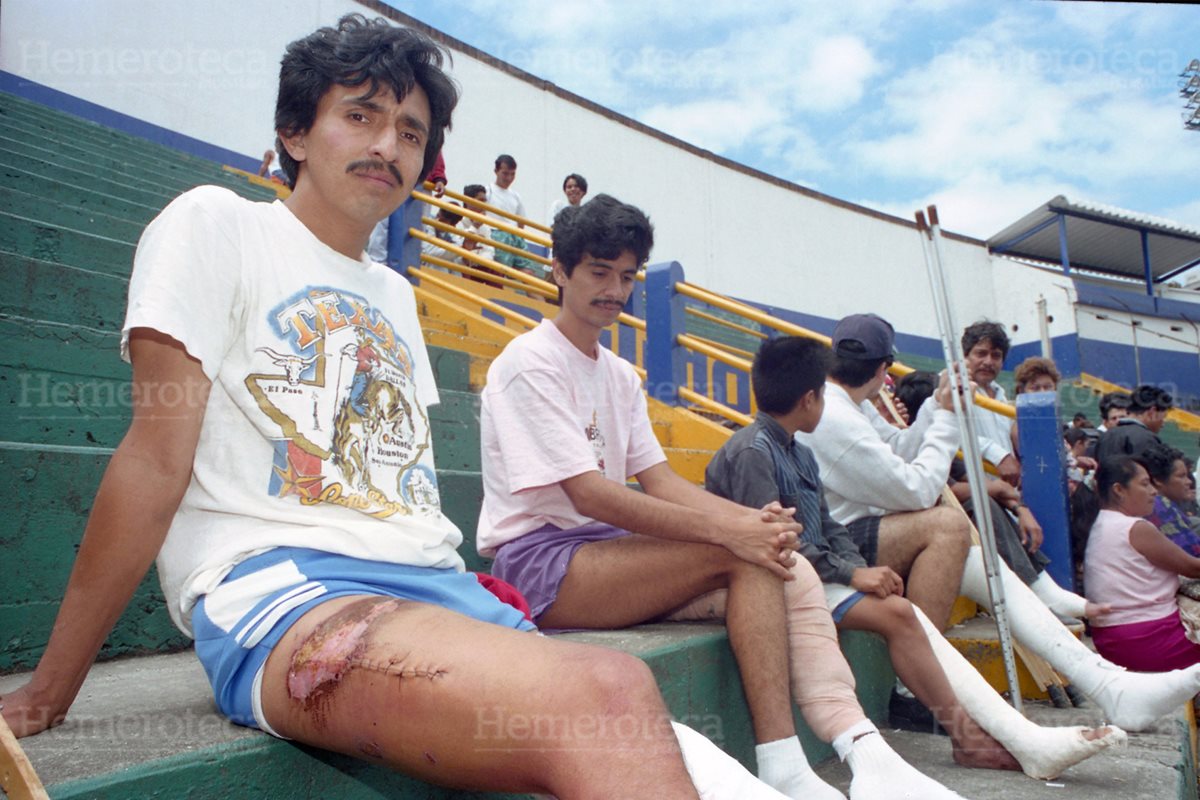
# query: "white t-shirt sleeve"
{"points": [[544, 443], [186, 281]]}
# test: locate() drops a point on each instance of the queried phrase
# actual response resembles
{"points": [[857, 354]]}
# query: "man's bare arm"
{"points": [[137, 499], [741, 530], [666, 484]]}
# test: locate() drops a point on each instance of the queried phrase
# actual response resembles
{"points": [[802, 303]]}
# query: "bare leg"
{"points": [[927, 548], [917, 666], [621, 582], [465, 704]]}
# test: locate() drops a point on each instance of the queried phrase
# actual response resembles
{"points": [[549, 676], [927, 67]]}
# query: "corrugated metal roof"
{"points": [[1101, 238]]}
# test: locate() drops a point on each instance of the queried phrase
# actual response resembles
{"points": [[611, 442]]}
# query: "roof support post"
{"points": [[1063, 255], [1146, 262]]}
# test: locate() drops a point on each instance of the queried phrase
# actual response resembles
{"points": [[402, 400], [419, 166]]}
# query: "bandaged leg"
{"points": [[716, 775], [1133, 701], [822, 684], [1042, 752], [879, 771], [1058, 599], [821, 680]]}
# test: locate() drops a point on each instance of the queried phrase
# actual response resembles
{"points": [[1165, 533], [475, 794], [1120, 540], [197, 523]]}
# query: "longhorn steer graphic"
{"points": [[292, 365]]}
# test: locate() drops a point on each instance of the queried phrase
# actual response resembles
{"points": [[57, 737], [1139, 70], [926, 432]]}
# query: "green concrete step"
{"points": [[65, 215], [146, 155], [114, 184], [45, 242], [22, 180], [55, 292], [176, 180], [48, 122]]}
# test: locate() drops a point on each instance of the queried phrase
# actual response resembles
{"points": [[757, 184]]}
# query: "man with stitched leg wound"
{"points": [[882, 483], [564, 425], [763, 463], [293, 496]]}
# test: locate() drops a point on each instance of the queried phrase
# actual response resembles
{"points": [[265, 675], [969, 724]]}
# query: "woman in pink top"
{"points": [[1134, 568]]}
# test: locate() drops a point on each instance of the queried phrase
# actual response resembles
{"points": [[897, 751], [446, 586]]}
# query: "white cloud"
{"points": [[1185, 214], [835, 76]]}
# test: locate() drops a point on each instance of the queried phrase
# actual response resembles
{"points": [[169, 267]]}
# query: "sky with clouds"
{"points": [[987, 109]]}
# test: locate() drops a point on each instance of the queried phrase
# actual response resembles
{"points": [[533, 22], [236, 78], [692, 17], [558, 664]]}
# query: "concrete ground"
{"points": [[169, 711], [1144, 769]]}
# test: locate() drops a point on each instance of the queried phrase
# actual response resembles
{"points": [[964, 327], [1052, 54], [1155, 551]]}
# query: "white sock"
{"points": [[879, 772], [715, 774], [783, 765], [1042, 752], [1058, 599], [1131, 700]]}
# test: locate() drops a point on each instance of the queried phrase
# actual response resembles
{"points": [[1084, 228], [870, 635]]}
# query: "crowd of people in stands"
{"points": [[332, 608]]}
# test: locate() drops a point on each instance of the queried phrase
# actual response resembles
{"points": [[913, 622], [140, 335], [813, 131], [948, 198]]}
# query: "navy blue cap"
{"points": [[864, 337]]}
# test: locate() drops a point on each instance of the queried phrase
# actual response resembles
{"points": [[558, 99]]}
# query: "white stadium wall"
{"points": [[209, 70]]}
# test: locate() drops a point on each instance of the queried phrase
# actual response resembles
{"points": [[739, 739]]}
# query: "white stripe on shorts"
{"points": [[253, 631]]}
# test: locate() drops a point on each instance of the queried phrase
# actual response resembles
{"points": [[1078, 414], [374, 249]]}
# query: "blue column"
{"points": [[665, 360], [1044, 479], [404, 251]]}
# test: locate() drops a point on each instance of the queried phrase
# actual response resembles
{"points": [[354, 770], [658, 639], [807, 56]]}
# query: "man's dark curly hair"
{"points": [[1159, 460], [1148, 397], [986, 329], [603, 227], [361, 52]]}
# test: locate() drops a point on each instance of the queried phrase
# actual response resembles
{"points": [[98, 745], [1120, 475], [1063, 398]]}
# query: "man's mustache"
{"points": [[373, 165]]}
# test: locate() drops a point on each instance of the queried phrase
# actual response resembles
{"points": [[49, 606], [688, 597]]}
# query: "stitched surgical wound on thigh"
{"points": [[333, 647]]}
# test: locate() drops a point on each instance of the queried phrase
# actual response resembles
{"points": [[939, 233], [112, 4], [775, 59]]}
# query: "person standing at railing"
{"points": [[446, 217], [1148, 407], [884, 484], [575, 188], [564, 425], [501, 195], [477, 192]]}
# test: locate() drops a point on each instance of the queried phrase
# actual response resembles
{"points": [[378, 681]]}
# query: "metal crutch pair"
{"points": [[931, 246]]}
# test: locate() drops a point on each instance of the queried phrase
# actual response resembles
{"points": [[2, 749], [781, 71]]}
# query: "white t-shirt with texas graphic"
{"points": [[315, 433]]}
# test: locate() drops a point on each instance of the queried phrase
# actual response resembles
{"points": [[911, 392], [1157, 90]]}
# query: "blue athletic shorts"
{"points": [[238, 624]]}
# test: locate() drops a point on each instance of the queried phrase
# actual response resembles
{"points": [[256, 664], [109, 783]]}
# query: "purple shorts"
{"points": [[1154, 646], [537, 562]]}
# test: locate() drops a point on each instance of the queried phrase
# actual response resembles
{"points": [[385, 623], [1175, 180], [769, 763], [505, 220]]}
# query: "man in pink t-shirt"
{"points": [[564, 427]]}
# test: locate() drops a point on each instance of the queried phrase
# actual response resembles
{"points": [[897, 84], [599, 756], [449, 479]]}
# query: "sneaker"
{"points": [[909, 714]]}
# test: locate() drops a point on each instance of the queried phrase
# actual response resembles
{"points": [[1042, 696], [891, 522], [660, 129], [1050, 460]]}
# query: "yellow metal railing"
{"points": [[508, 277], [506, 214], [1184, 419], [755, 315], [485, 218]]}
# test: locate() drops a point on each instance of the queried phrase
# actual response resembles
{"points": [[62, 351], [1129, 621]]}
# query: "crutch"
{"points": [[17, 778], [931, 247]]}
